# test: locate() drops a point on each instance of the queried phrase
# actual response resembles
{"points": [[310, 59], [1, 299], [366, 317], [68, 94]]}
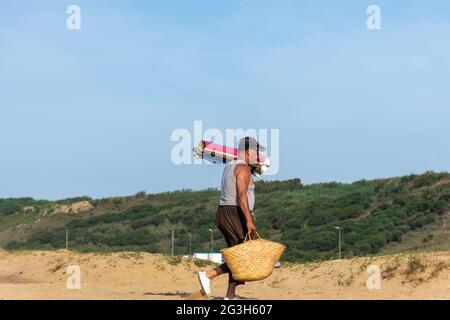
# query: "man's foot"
{"points": [[205, 283], [234, 298]]}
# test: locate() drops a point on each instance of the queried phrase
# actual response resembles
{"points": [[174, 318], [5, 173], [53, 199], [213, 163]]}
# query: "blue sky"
{"points": [[90, 112]]}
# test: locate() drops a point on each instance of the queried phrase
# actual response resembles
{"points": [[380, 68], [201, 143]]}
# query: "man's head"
{"points": [[249, 149]]}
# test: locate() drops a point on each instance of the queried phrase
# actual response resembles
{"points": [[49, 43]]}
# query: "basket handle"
{"points": [[249, 236]]}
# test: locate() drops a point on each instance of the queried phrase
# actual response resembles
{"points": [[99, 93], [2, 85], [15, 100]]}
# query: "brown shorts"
{"points": [[232, 224]]}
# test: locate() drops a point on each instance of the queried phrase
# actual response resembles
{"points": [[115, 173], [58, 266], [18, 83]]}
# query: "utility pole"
{"points": [[190, 244], [212, 248], [173, 239], [339, 229], [67, 239]]}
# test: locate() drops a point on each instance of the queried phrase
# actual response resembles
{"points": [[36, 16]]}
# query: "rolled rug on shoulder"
{"points": [[216, 153]]}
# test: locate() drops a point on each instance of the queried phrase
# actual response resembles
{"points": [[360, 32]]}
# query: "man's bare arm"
{"points": [[243, 176]]}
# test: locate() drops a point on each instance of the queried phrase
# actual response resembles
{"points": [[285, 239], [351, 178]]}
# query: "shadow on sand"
{"points": [[168, 294], [198, 295]]}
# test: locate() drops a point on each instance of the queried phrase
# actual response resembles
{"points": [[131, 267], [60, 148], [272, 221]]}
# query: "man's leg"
{"points": [[230, 222], [232, 284], [211, 274], [239, 227], [231, 292]]}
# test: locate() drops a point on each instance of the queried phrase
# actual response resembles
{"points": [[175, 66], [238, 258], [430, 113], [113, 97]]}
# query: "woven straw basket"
{"points": [[253, 259]]}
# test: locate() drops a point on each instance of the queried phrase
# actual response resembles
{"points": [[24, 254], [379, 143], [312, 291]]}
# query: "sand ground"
{"points": [[43, 275]]}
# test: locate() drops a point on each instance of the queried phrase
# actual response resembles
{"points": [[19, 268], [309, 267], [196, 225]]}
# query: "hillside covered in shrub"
{"points": [[372, 215]]}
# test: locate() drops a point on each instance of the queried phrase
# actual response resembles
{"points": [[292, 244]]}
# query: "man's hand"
{"points": [[251, 226]]}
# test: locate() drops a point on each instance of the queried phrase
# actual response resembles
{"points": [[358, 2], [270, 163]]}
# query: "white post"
{"points": [[173, 239], [339, 230], [211, 249], [67, 239], [339, 243], [190, 244]]}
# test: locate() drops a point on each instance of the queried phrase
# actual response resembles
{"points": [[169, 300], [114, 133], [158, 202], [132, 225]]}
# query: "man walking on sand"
{"points": [[234, 216]]}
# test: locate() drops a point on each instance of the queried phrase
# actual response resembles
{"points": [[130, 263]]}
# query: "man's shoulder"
{"points": [[242, 168]]}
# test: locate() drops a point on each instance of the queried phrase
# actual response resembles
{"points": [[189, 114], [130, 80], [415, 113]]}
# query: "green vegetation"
{"points": [[174, 260], [201, 263], [11, 206], [373, 215]]}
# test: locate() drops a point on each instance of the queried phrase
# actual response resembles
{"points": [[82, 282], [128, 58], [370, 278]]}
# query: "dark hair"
{"points": [[249, 143]]}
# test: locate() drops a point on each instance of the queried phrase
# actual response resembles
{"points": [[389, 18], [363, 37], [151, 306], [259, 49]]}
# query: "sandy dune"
{"points": [[43, 275]]}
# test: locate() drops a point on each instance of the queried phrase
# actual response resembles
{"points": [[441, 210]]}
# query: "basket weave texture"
{"points": [[253, 259]]}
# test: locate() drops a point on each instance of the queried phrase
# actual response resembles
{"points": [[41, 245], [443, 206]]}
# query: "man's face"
{"points": [[252, 156]]}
